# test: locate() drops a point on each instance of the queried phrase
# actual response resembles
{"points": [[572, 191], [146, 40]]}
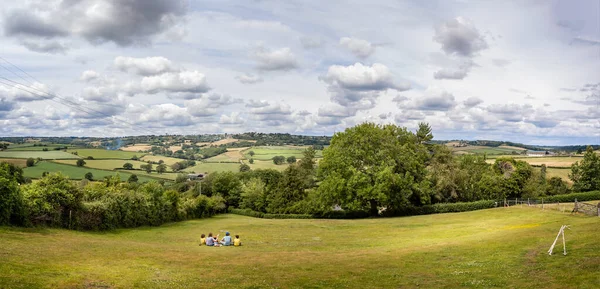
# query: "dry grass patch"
{"points": [[17, 162], [174, 148], [513, 148], [137, 147], [224, 141]]}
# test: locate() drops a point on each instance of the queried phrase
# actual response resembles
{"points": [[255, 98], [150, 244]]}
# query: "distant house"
{"points": [[538, 153], [192, 177]]}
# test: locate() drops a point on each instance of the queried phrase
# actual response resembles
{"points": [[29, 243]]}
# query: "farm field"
{"points": [[17, 162], [552, 161], [168, 160], [105, 154], [107, 164], [264, 165], [49, 155], [503, 247], [154, 175], [137, 147], [485, 150], [73, 172], [49, 147], [561, 173], [232, 155], [268, 152], [213, 167]]}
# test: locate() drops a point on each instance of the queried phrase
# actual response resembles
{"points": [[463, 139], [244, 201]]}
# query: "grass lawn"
{"points": [[503, 247], [485, 150], [74, 172], [268, 152], [105, 154], [49, 155], [17, 162]]}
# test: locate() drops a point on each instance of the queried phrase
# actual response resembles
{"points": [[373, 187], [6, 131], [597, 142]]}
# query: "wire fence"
{"points": [[572, 207]]}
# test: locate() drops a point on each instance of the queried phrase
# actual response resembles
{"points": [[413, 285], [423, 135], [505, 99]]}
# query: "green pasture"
{"points": [[74, 172], [108, 164], [486, 150], [167, 160], [561, 173], [265, 165], [268, 152], [49, 155], [36, 148], [213, 167], [105, 154], [153, 174], [494, 248]]}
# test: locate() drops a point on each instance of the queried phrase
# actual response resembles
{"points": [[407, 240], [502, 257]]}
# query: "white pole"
{"points": [[564, 244], [553, 244]]}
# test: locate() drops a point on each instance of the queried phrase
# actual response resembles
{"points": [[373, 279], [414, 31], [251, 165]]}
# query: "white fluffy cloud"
{"points": [[359, 47], [460, 37], [144, 66], [184, 81], [249, 78], [232, 119], [280, 59]]}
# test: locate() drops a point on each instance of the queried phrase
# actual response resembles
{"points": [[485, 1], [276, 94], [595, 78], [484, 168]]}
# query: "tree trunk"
{"points": [[373, 211]]}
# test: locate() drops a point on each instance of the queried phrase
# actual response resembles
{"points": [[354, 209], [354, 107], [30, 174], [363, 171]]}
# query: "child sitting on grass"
{"points": [[202, 240], [237, 241], [216, 241]]}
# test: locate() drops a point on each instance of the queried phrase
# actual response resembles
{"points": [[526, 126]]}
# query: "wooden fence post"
{"points": [[542, 203]]}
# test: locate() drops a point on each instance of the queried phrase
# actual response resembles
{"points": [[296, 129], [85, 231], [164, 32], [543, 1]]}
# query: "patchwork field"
{"points": [[265, 165], [105, 154], [552, 161], [49, 147], [232, 155], [503, 247], [153, 174], [224, 141], [268, 152], [73, 172], [49, 155], [485, 150]]}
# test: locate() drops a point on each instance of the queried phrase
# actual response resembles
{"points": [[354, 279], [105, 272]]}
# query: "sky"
{"points": [[523, 71]]}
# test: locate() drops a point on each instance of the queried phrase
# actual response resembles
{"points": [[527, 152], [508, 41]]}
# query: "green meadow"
{"points": [[74, 172], [48, 155], [268, 152], [105, 154], [494, 248]]}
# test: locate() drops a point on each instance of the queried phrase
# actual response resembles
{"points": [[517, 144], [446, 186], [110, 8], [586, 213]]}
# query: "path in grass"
{"points": [[504, 247]]}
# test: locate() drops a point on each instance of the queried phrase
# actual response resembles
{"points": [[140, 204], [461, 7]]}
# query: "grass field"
{"points": [[153, 174], [168, 160], [49, 155], [105, 154], [232, 155], [73, 172], [268, 152], [503, 247], [49, 147], [108, 164], [137, 147], [485, 150], [561, 173], [266, 165], [213, 167], [552, 161]]}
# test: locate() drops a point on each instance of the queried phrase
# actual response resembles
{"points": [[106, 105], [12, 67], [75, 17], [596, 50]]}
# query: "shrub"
{"points": [[89, 176], [80, 162], [30, 162], [581, 197], [11, 202]]}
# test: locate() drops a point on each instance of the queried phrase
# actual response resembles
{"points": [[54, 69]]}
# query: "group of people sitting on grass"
{"points": [[225, 241]]}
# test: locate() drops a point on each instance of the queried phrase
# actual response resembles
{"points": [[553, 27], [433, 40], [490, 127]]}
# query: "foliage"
{"points": [[581, 197], [147, 168], [11, 202], [291, 159], [80, 163], [89, 176], [278, 160], [128, 166], [370, 166], [30, 162], [251, 161], [132, 179], [586, 173], [244, 167], [161, 168]]}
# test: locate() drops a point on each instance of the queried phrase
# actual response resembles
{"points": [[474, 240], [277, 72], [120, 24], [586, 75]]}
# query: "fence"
{"points": [[585, 208]]}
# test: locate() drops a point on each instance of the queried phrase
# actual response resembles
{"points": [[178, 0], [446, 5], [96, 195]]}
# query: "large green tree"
{"points": [[585, 174], [370, 166]]}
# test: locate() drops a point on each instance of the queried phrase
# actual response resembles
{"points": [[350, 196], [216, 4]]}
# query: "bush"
{"points": [[30, 162], [89, 176], [80, 162], [441, 208], [11, 202]]}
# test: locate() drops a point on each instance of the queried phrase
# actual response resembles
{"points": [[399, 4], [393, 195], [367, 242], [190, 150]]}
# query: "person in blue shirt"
{"points": [[226, 241]]}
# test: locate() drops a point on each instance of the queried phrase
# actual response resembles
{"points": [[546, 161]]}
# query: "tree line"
{"points": [[367, 169]]}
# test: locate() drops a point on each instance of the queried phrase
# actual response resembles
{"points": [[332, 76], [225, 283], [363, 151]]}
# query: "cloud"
{"points": [[359, 77], [453, 73], [208, 105], [232, 119], [144, 66], [459, 37], [166, 114], [249, 78], [131, 22], [359, 47], [89, 75], [510, 112], [542, 119], [21, 93], [274, 114], [409, 115], [257, 103], [586, 40], [311, 42], [501, 62], [45, 46], [434, 99], [281, 59], [473, 101], [184, 82], [6, 105]]}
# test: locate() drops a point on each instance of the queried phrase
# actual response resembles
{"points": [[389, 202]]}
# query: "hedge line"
{"points": [[581, 197]]}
